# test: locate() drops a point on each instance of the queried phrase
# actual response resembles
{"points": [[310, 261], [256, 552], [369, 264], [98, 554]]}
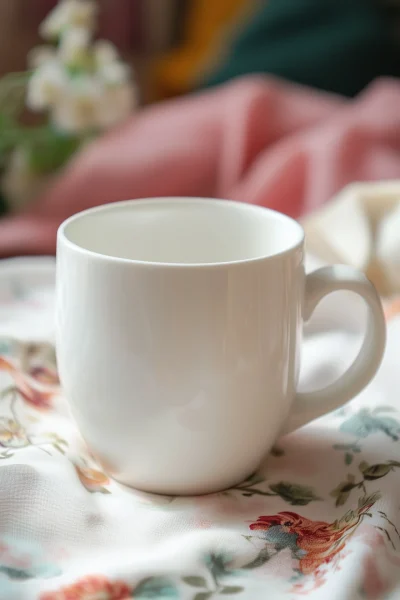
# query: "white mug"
{"points": [[179, 327]]}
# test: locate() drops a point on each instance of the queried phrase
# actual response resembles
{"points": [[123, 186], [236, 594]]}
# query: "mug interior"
{"points": [[183, 231]]}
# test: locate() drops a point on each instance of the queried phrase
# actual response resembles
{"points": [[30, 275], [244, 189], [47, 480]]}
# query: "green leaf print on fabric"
{"points": [[18, 551], [14, 573], [296, 495], [371, 472], [203, 595], [33, 572], [364, 423], [195, 581], [218, 565], [348, 458], [293, 493], [368, 473], [218, 568], [262, 557], [158, 588], [344, 489]]}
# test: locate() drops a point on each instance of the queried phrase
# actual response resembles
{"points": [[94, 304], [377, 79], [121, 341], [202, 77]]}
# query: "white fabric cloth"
{"points": [[361, 227], [321, 518]]}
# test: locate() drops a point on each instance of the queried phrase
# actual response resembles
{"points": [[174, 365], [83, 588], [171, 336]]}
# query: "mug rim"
{"points": [[63, 238]]}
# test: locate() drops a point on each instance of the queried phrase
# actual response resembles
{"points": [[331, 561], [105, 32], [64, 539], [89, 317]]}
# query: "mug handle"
{"points": [[308, 406]]}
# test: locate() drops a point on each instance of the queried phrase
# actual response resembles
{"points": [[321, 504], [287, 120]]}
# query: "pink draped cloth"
{"points": [[255, 139]]}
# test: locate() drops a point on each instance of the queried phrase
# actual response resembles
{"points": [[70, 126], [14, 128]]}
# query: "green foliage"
{"points": [[12, 93], [11, 135], [3, 204], [48, 149]]}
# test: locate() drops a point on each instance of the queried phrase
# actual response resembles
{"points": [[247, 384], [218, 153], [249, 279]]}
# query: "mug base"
{"points": [[183, 490]]}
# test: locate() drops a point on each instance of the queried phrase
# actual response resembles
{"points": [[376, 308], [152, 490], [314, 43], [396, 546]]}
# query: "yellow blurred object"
{"points": [[207, 27]]}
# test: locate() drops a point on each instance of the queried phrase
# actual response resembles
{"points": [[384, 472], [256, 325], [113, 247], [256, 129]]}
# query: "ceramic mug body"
{"points": [[179, 324]]}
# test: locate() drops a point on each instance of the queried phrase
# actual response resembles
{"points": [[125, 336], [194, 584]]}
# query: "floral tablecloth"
{"points": [[320, 519]]}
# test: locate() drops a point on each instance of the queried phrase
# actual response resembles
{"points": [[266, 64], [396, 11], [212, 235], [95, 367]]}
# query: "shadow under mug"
{"points": [[179, 328]]}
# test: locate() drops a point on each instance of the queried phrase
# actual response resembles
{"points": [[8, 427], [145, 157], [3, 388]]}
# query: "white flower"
{"points": [[114, 73], [109, 67], [105, 53], [74, 45], [46, 85], [88, 104], [19, 183], [117, 105], [76, 110], [77, 13], [40, 55]]}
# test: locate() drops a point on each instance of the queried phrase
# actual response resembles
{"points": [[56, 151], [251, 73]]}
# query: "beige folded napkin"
{"points": [[361, 227]]}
